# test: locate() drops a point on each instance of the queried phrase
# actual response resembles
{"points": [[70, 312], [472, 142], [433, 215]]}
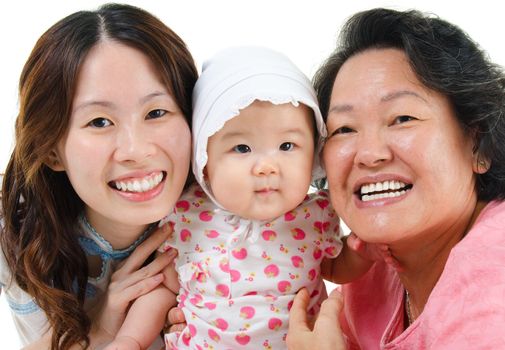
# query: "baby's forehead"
{"points": [[267, 117]]}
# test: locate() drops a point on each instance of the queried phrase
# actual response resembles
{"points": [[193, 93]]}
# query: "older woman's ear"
{"points": [[480, 164]]}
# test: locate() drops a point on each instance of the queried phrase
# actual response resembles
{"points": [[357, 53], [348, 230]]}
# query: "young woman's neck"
{"points": [[119, 234]]}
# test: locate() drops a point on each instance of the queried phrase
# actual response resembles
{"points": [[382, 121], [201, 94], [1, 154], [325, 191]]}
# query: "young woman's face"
{"points": [[127, 148], [398, 162], [260, 163]]}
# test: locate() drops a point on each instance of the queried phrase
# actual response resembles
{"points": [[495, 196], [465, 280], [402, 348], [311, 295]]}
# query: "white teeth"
{"points": [[371, 197], [382, 186], [140, 185]]}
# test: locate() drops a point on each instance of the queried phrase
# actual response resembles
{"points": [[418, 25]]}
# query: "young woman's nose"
{"points": [[133, 144], [372, 149], [265, 165]]}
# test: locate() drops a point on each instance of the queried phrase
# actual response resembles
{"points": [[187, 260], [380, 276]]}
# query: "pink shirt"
{"points": [[466, 309]]}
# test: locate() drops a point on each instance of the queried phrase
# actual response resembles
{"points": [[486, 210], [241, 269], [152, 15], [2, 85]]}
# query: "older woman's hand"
{"points": [[326, 333], [130, 281]]}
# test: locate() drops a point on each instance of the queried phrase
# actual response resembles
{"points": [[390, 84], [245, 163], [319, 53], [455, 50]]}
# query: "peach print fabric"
{"points": [[239, 277]]}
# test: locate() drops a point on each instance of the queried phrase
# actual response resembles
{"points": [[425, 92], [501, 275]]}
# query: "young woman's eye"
{"points": [[242, 149], [287, 146], [403, 118], [156, 113], [100, 123]]}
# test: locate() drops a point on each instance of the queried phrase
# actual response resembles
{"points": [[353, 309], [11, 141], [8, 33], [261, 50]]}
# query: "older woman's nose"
{"points": [[372, 150], [133, 145]]}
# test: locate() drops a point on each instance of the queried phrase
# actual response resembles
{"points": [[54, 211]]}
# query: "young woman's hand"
{"points": [[132, 280], [326, 333], [175, 320]]}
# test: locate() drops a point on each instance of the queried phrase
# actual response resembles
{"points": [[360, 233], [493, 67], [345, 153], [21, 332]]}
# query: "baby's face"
{"points": [[260, 163]]}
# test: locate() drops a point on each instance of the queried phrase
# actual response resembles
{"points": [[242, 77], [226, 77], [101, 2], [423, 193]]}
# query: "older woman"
{"points": [[415, 160]]}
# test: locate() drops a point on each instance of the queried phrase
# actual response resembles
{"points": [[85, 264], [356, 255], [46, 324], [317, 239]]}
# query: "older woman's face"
{"points": [[398, 163]]}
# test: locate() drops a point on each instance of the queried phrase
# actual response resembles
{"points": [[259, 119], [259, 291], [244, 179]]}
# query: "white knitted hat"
{"points": [[235, 78]]}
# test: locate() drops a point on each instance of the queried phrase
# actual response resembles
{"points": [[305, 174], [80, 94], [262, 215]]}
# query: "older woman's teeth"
{"points": [[394, 188], [140, 185]]}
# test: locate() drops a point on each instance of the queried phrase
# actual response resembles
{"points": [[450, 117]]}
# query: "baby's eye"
{"points": [[100, 123], [156, 113], [287, 146], [242, 149], [403, 119]]}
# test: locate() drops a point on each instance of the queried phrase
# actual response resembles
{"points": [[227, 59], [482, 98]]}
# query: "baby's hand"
{"points": [[372, 251]]}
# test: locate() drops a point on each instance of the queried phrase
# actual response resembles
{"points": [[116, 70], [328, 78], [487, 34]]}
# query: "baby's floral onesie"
{"points": [[239, 277]]}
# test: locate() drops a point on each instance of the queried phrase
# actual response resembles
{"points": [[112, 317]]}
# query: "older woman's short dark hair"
{"points": [[446, 60]]}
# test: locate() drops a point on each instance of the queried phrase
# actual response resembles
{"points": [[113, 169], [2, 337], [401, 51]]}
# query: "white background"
{"points": [[304, 30]]}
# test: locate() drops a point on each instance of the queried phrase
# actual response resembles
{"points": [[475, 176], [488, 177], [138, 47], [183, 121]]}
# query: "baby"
{"points": [[248, 235]]}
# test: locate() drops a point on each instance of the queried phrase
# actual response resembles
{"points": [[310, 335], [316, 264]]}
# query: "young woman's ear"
{"points": [[53, 161]]}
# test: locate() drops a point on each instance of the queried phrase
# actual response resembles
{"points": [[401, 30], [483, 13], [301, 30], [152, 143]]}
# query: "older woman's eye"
{"points": [[403, 119], [100, 123], [341, 130], [156, 113], [242, 149]]}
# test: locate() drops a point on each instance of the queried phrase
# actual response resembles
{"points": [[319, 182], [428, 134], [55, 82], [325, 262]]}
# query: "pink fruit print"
{"points": [[234, 275], [284, 286], [210, 306], [211, 233], [197, 299], [298, 233], [247, 312], [213, 335], [290, 215], [222, 290], [182, 206], [297, 261], [206, 215], [331, 251], [271, 270], [274, 323], [224, 265], [185, 235], [321, 226], [199, 193], [269, 235], [323, 203], [192, 330], [239, 253], [186, 338], [312, 274], [318, 253], [290, 304], [242, 338], [221, 324], [201, 277]]}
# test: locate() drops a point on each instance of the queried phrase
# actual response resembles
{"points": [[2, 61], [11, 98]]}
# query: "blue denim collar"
{"points": [[95, 244]]}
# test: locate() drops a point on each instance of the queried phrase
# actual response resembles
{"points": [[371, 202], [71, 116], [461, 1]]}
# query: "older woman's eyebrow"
{"points": [[401, 93], [342, 108]]}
